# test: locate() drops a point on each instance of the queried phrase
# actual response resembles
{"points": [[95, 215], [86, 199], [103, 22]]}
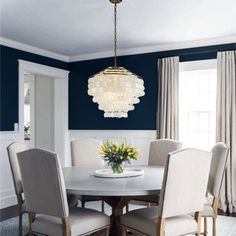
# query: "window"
{"points": [[197, 104]]}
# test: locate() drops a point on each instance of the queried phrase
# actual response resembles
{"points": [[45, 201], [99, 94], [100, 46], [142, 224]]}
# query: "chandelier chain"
{"points": [[115, 34]]}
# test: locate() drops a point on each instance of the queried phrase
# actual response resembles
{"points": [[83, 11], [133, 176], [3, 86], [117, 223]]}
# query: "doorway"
{"points": [[43, 108]]}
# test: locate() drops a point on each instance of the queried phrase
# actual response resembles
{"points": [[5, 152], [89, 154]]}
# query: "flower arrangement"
{"points": [[116, 155]]}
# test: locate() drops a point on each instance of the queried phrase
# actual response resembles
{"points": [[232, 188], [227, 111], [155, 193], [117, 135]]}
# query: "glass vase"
{"points": [[117, 168]]}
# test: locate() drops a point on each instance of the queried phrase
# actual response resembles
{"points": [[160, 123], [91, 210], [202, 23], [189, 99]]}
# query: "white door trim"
{"points": [[61, 103]]}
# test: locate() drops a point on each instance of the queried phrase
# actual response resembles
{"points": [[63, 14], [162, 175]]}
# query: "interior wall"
{"points": [[44, 112], [9, 82], [84, 114]]}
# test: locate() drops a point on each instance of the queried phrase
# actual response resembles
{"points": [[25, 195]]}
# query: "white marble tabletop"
{"points": [[81, 180]]}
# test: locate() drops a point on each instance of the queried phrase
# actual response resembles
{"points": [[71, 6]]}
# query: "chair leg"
{"points": [[107, 231], [205, 226], [82, 203], [197, 217], [31, 219], [103, 208], [20, 224], [124, 231], [213, 226], [127, 208]]}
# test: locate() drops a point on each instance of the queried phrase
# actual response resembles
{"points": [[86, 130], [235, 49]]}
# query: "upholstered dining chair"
{"points": [[183, 192], [85, 153], [12, 150], [218, 164], [158, 154], [46, 201]]}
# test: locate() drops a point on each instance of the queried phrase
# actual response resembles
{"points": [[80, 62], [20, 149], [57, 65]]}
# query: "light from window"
{"points": [[197, 105]]}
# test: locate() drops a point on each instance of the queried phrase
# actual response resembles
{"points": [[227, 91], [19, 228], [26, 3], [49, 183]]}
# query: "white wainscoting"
{"points": [[137, 138], [7, 191]]}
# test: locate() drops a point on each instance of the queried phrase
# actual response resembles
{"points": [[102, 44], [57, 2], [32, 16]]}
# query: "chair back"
{"points": [[159, 150], [218, 164], [12, 150], [43, 183], [85, 152], [185, 182]]}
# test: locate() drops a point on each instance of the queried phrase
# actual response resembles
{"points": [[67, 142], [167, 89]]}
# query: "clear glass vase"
{"points": [[117, 167]]}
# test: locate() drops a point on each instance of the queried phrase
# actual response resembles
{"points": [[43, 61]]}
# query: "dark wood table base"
{"points": [[117, 203]]}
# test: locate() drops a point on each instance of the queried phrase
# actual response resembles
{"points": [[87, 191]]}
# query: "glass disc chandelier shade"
{"points": [[116, 89]]}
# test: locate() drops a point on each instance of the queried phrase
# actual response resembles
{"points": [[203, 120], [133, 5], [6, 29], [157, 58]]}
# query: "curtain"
{"points": [[226, 124], [168, 98]]}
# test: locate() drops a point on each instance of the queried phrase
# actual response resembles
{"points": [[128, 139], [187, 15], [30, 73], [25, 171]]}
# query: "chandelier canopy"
{"points": [[116, 89]]}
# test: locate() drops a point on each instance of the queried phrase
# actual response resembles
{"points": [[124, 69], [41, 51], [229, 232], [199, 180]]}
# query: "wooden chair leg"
{"points": [[197, 217], [107, 231], [161, 226], [124, 231], [213, 226], [66, 227], [31, 216], [103, 207], [127, 208], [205, 226], [83, 203], [20, 228]]}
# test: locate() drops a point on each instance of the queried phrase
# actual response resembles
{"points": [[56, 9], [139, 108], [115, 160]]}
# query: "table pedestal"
{"points": [[117, 203]]}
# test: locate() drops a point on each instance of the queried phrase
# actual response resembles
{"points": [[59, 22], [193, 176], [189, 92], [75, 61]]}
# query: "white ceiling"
{"points": [[75, 27]]}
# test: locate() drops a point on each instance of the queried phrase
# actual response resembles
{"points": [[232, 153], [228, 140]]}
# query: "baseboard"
{"points": [[8, 212]]}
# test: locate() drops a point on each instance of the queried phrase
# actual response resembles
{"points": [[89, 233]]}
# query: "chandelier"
{"points": [[116, 89]]}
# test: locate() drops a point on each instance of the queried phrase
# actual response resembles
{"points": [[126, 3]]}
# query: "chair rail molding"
{"points": [[138, 138]]}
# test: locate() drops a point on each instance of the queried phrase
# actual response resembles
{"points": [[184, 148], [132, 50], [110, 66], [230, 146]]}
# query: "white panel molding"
{"points": [[7, 198], [138, 138], [7, 192], [28, 48], [156, 48]]}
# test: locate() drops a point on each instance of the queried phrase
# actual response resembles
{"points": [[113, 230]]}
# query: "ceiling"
{"points": [[75, 27]]}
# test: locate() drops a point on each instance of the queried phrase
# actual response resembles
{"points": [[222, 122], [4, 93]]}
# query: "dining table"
{"points": [[116, 192]]}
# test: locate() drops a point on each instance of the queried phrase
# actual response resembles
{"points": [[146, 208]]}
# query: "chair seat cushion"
{"points": [[207, 211], [81, 221], [145, 221]]}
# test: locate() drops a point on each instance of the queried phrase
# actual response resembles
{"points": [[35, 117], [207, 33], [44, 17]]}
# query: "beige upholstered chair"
{"points": [[46, 202], [12, 150], [183, 192], [218, 165], [85, 152], [158, 154]]}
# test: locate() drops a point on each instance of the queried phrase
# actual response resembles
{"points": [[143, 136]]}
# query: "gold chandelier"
{"points": [[116, 89]]}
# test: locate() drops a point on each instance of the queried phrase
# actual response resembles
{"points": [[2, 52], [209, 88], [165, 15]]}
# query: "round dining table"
{"points": [[116, 192]]}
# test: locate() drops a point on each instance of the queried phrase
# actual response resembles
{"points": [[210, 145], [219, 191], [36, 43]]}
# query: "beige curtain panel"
{"points": [[226, 123], [168, 98]]}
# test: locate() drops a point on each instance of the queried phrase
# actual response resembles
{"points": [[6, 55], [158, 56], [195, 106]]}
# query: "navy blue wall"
{"points": [[9, 82], [84, 114]]}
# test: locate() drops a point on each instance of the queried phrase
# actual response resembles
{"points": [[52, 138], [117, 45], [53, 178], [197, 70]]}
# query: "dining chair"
{"points": [[12, 150], [85, 153], [158, 154], [183, 192], [218, 165], [46, 201]]}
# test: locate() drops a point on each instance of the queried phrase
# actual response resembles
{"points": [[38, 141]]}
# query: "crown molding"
{"points": [[28, 48], [122, 52], [156, 48]]}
